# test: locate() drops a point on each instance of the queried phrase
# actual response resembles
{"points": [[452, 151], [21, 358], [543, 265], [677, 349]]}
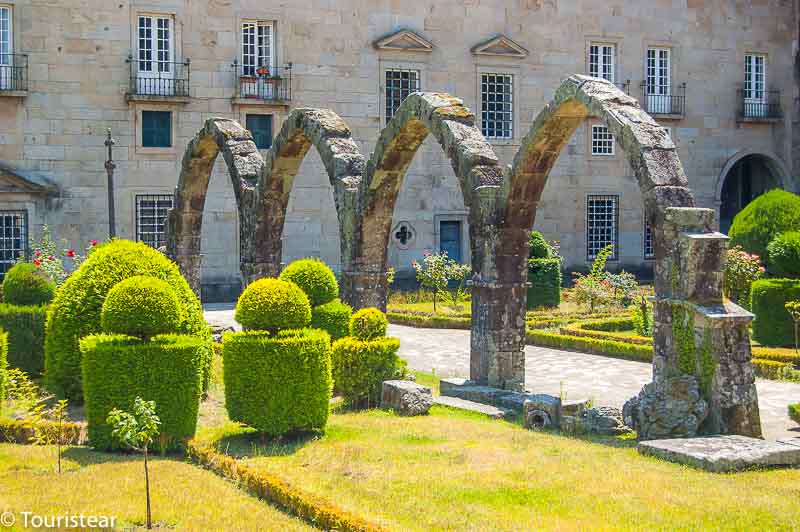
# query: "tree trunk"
{"points": [[147, 490]]}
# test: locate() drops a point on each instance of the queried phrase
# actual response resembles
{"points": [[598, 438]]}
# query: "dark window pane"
{"points": [[156, 129], [261, 128]]}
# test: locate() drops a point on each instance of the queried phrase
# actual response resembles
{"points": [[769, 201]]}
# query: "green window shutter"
{"points": [[261, 128], [156, 129]]}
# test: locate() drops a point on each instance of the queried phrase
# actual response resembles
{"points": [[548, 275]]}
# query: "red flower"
{"points": [[426, 253], [51, 258], [94, 243], [37, 253], [70, 253], [37, 262]]}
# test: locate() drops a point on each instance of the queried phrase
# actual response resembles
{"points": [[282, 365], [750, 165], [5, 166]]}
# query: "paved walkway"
{"points": [[608, 381]]}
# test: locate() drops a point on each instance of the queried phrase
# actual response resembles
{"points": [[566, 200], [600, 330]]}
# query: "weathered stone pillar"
{"points": [[183, 244], [361, 288]]}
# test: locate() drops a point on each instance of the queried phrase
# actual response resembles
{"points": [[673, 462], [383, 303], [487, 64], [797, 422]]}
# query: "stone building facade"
{"points": [[718, 75]]}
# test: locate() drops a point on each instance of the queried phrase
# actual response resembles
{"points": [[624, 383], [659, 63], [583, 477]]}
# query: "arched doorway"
{"points": [[746, 179]]}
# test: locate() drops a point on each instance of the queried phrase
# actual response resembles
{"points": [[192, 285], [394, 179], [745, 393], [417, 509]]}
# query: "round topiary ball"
{"points": [[272, 305], [314, 278], [368, 324], [764, 218], [27, 284], [141, 306], [539, 248], [784, 255]]}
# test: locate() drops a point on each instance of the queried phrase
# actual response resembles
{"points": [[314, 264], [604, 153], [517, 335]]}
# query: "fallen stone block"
{"points": [[493, 412], [540, 411], [406, 398]]}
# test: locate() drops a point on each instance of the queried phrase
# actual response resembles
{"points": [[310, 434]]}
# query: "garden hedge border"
{"points": [[25, 327], [311, 508], [20, 432], [794, 413]]}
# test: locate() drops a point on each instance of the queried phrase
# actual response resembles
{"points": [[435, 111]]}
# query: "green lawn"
{"points": [[185, 497]]}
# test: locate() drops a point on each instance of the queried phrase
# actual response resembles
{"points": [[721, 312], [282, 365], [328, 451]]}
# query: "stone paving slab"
{"points": [[471, 406], [722, 454]]}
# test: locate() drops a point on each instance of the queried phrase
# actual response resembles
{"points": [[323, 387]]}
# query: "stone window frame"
{"points": [[157, 10], [171, 151], [385, 88], [12, 25], [397, 64], [590, 142], [140, 194], [453, 216], [515, 71], [23, 212], [278, 111], [604, 41], [615, 257], [765, 74], [674, 58], [272, 127]]}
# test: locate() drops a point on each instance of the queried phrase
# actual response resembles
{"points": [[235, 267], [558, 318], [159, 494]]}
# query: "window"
{"points": [[649, 249], [497, 106], [6, 49], [658, 80], [156, 129], [602, 141], [399, 84], [13, 238], [156, 56], [602, 225], [601, 61], [257, 46], [151, 217], [450, 239], [755, 77], [261, 128]]}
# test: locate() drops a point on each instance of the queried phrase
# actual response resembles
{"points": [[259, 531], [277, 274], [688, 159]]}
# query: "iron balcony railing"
{"points": [[13, 72], [759, 104], [624, 86], [263, 83], [664, 100], [159, 78]]}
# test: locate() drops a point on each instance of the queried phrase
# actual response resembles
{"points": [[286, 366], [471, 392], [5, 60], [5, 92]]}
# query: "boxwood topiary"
{"points": [[25, 326], [368, 324], [141, 306], [539, 247], [3, 365], [783, 255], [545, 278], [167, 369], [278, 384], [27, 284], [75, 312], [333, 317], [773, 325], [360, 367], [271, 305], [314, 278], [766, 217]]}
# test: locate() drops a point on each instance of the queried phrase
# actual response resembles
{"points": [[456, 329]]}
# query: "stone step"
{"points": [[722, 454], [471, 406]]}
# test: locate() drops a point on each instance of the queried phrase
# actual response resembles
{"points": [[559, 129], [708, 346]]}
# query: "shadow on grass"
{"points": [[252, 444], [625, 441], [86, 456]]}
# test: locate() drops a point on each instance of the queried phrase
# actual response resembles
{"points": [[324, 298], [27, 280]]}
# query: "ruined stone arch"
{"points": [[476, 167], [245, 167]]}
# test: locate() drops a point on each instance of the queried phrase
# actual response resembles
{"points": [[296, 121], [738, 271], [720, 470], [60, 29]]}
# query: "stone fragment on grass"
{"points": [[406, 398], [673, 408], [540, 411]]}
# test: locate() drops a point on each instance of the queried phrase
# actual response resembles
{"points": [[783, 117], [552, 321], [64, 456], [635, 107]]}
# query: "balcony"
{"points": [[624, 86], [664, 102], [13, 75], [159, 80], [759, 105], [262, 84]]}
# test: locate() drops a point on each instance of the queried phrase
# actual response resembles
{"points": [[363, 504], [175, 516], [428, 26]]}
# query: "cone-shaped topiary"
{"points": [[784, 255], [141, 306], [539, 248], [26, 284], [764, 218], [314, 278], [272, 305], [75, 312], [368, 324]]}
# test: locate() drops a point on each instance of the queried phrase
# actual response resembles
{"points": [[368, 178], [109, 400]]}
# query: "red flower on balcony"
{"points": [[70, 253], [94, 243]]}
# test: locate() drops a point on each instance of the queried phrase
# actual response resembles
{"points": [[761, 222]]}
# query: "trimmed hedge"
{"points": [[779, 355], [360, 367], [794, 413], [368, 324], [784, 255], [25, 326], [27, 284], [167, 369], [314, 278], [281, 384], [545, 278], [770, 369], [21, 431], [333, 317], [428, 321], [272, 305], [75, 312], [3, 365], [141, 306], [773, 325], [539, 247], [579, 330], [763, 219], [611, 348]]}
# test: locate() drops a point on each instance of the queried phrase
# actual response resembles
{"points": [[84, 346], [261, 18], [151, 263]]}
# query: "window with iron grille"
{"points": [[13, 238], [399, 84], [649, 247], [602, 225], [601, 61], [156, 129], [497, 106], [261, 128], [755, 77], [602, 141], [151, 217]]}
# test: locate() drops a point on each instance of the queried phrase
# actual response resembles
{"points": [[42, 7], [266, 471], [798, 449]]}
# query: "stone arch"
{"points": [[476, 167], [775, 163], [185, 220]]}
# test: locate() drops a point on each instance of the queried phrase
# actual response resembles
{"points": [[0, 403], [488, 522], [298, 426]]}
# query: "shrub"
{"points": [[76, 310], [545, 278], [794, 413], [278, 384], [783, 255], [539, 248], [741, 270], [333, 317], [3, 365], [141, 306], [765, 218], [773, 325], [25, 326], [25, 284], [368, 324], [610, 348], [167, 369], [314, 278], [643, 320], [272, 305], [360, 367]]}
